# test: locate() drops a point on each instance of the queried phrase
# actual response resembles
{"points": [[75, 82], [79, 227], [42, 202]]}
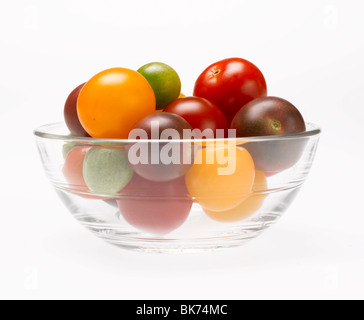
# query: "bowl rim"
{"points": [[43, 132]]}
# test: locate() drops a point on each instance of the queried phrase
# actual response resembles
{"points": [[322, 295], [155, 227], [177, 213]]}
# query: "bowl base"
{"points": [[181, 248], [135, 242], [198, 234]]}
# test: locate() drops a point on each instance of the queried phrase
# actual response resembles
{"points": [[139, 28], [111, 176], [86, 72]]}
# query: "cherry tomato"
{"points": [[155, 207], [160, 161], [113, 101], [271, 116], [72, 171], [230, 84], [67, 147], [164, 80], [248, 206], [155, 125], [106, 170], [70, 114], [268, 116], [221, 177], [200, 114], [275, 156]]}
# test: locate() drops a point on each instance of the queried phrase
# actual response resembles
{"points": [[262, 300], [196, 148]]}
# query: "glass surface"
{"points": [[177, 200]]}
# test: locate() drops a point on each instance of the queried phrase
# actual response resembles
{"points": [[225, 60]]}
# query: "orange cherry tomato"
{"points": [[221, 177], [248, 206], [113, 101]]}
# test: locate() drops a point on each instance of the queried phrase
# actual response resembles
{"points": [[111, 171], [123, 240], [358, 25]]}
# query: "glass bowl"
{"points": [[177, 196]]}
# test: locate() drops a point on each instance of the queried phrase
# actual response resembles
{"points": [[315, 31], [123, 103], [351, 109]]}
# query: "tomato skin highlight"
{"points": [[113, 101], [230, 84]]}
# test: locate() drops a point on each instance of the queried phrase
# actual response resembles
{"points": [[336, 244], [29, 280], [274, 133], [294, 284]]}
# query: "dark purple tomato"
{"points": [[155, 207], [266, 117], [157, 125], [70, 114], [161, 161], [275, 156], [200, 114]]}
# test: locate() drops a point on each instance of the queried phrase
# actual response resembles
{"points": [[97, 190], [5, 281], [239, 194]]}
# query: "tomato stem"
{"points": [[216, 73], [276, 125]]}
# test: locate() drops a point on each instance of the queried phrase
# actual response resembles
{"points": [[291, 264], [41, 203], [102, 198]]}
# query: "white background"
{"points": [[311, 53]]}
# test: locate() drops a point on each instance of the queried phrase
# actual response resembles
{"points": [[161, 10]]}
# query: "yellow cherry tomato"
{"points": [[113, 101], [248, 206], [221, 177]]}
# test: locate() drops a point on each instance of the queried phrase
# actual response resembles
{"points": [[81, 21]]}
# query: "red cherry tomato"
{"points": [[230, 84], [72, 171], [155, 207], [200, 114]]}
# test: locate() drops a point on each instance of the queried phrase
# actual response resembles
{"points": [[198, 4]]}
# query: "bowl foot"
{"points": [[168, 245]]}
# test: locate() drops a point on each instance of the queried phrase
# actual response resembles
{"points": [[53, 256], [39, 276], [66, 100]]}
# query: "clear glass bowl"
{"points": [[177, 208]]}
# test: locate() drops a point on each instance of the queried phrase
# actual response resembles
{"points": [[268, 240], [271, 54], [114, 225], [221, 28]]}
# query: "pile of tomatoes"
{"points": [[230, 100]]}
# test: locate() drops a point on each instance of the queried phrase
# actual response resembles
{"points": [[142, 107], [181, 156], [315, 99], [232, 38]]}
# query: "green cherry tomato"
{"points": [[106, 170], [165, 82]]}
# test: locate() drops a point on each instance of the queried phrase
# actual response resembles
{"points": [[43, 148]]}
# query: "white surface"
{"points": [[310, 52]]}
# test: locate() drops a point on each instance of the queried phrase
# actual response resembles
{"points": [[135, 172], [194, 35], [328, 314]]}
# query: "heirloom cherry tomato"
{"points": [[221, 177], [271, 116], [230, 84], [113, 101], [155, 207], [106, 170], [67, 147], [200, 114], [248, 206], [164, 81], [156, 125], [275, 156], [72, 171], [161, 161], [268, 116], [71, 116]]}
